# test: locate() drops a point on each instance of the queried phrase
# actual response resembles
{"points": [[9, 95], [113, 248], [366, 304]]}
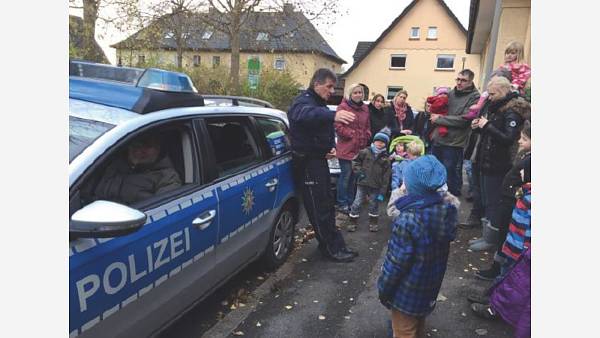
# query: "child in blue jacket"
{"points": [[417, 253]]}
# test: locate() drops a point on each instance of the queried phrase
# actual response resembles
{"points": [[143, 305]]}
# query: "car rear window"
{"points": [[83, 132]]}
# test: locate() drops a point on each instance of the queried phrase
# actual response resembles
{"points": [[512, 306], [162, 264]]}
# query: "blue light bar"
{"points": [[149, 78], [114, 94]]}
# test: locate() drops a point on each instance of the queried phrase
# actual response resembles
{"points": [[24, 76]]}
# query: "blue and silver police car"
{"points": [[138, 260]]}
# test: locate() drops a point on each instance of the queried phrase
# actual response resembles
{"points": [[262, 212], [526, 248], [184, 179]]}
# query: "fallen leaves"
{"points": [[441, 298], [321, 317], [288, 307], [481, 332], [238, 333]]}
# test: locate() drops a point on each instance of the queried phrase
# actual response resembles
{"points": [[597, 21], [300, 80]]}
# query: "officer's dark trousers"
{"points": [[312, 177]]}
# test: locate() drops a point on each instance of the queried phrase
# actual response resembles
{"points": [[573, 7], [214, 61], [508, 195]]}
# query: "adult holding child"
{"points": [[351, 138], [448, 146], [499, 126]]}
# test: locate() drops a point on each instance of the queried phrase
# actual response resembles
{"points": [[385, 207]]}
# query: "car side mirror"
{"points": [[101, 219]]}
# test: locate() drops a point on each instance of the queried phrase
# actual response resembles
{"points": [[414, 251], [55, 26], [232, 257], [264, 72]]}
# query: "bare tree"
{"points": [[117, 13], [230, 17]]}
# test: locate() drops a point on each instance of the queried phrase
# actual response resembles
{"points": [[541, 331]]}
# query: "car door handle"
{"points": [[203, 221], [272, 183]]}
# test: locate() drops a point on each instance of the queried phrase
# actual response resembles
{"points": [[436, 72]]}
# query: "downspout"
{"points": [[493, 41]]}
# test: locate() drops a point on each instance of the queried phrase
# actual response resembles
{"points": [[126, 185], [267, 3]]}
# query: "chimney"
{"points": [[288, 8]]}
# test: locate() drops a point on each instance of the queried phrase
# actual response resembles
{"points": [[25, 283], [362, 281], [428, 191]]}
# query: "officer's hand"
{"points": [[344, 116], [331, 154]]}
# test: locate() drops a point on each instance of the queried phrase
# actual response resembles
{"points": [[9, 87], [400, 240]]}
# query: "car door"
{"points": [[246, 188], [132, 285]]}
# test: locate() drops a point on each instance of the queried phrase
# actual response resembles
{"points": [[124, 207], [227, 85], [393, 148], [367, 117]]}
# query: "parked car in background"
{"points": [[137, 261]]}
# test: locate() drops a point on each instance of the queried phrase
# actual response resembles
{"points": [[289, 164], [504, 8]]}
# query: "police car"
{"points": [[138, 261]]}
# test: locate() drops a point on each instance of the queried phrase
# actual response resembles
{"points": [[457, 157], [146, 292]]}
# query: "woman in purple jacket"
{"points": [[351, 138]]}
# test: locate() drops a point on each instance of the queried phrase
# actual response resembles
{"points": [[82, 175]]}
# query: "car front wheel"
{"points": [[281, 239]]}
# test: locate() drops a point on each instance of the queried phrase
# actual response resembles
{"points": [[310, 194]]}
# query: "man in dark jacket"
{"points": [[313, 142], [139, 175], [449, 149]]}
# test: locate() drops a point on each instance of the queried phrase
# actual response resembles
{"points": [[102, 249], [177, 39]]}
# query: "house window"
{"points": [[445, 61], [262, 36], [196, 60], [141, 59], [414, 33], [432, 33], [398, 61], [279, 64], [392, 91], [216, 61], [206, 35], [120, 62]]}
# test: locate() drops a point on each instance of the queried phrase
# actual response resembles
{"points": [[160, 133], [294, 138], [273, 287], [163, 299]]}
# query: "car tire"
{"points": [[281, 238]]}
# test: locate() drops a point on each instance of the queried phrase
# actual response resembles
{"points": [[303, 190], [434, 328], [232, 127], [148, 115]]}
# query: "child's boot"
{"points": [[352, 222], [373, 223]]}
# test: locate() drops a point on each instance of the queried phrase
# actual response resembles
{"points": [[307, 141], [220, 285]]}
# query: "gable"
{"points": [[422, 14]]}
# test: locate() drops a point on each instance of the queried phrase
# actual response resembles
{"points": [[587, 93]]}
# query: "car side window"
{"points": [[275, 133], [233, 144], [151, 164]]}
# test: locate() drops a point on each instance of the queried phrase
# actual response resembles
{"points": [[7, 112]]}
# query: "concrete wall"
{"points": [[300, 65], [420, 75]]}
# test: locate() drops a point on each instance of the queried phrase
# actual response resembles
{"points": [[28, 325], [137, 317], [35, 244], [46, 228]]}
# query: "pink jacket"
{"points": [[351, 138], [520, 72]]}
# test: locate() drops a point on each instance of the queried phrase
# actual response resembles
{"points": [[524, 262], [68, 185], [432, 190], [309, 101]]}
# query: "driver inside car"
{"points": [[140, 173]]}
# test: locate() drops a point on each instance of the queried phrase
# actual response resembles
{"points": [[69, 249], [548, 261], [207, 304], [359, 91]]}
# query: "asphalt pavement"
{"points": [[310, 296]]}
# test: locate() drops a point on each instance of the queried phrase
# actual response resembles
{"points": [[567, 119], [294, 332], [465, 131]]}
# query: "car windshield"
{"points": [[82, 133]]}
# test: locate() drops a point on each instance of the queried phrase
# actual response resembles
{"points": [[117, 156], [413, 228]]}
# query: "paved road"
{"points": [[312, 297]]}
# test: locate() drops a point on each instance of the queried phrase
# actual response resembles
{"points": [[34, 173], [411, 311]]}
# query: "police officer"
{"points": [[313, 142]]}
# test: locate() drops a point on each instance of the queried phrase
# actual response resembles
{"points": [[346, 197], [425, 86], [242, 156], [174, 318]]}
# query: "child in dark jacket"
{"points": [[373, 170], [417, 253]]}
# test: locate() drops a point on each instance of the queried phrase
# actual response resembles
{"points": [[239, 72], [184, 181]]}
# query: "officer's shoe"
{"points": [[342, 257]]}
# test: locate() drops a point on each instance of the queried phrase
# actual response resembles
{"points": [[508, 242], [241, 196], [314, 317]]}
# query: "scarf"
{"points": [[418, 201], [400, 112], [355, 105], [376, 150]]}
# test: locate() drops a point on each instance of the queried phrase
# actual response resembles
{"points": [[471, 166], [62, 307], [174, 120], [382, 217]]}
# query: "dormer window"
{"points": [[262, 36], [206, 35]]}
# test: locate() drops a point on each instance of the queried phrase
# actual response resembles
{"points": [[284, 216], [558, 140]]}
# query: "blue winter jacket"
{"points": [[311, 125], [397, 168], [416, 258]]}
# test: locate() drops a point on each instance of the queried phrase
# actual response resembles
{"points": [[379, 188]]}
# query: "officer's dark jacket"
{"points": [[311, 125]]}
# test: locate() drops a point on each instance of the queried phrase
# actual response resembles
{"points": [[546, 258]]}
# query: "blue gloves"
{"points": [[380, 197]]}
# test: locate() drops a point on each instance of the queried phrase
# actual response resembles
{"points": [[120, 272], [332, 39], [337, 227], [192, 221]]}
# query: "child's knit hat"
{"points": [[441, 90], [381, 137], [424, 175]]}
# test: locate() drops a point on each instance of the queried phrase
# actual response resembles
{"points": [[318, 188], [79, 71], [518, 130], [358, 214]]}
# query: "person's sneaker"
{"points": [[482, 246], [476, 297], [342, 209], [489, 274], [373, 227], [353, 215], [483, 311]]}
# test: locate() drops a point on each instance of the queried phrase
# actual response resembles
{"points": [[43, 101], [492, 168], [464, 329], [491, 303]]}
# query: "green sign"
{"points": [[253, 72]]}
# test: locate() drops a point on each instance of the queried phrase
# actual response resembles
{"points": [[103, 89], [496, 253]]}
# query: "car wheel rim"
{"points": [[283, 235]]}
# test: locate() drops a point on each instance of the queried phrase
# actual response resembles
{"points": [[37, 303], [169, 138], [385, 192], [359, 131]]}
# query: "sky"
{"points": [[365, 21]]}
